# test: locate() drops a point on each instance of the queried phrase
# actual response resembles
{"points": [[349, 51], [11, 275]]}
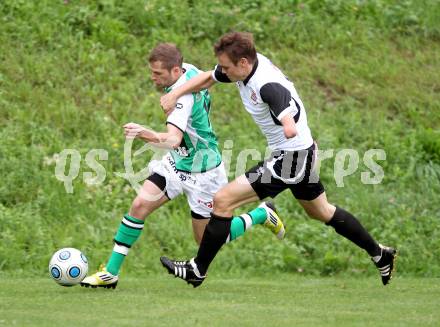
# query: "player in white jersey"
{"points": [[193, 166], [276, 108]]}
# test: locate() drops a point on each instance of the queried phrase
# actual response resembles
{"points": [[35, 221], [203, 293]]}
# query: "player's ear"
{"points": [[175, 69], [243, 62]]}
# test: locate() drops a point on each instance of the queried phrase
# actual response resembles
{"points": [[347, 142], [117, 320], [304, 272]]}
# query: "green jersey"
{"points": [[198, 151]]}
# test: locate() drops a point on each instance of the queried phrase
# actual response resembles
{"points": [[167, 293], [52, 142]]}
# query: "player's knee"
{"points": [[324, 213], [221, 201], [138, 203], [139, 208]]}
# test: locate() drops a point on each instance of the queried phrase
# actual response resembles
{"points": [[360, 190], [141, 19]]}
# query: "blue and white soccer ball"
{"points": [[68, 266]]}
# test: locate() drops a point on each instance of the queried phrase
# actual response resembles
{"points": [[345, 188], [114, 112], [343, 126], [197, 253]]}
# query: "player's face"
{"points": [[161, 76], [235, 72]]}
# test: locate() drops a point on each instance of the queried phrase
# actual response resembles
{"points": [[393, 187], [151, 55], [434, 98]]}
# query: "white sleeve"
{"points": [[182, 111]]}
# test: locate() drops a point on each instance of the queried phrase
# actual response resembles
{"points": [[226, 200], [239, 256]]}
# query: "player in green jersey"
{"points": [[193, 166]]}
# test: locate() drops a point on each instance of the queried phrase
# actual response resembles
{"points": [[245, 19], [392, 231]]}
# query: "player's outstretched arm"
{"points": [[168, 140], [200, 82]]}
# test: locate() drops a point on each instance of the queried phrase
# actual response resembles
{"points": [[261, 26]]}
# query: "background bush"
{"points": [[73, 72]]}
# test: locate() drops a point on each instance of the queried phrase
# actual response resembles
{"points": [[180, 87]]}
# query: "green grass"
{"points": [[73, 72], [278, 300]]}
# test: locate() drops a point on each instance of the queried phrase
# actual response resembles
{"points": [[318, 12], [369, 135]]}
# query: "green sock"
{"points": [[245, 221], [128, 232]]}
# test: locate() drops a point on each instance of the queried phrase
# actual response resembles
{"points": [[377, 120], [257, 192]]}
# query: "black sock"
{"points": [[214, 237], [348, 226]]}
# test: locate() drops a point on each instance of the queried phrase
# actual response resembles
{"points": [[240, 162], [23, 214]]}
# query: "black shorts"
{"points": [[159, 181], [292, 170]]}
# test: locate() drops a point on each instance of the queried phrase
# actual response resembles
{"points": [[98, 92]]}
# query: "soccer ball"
{"points": [[68, 266]]}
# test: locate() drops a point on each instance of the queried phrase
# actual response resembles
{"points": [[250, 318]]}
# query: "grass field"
{"points": [[279, 300], [73, 72]]}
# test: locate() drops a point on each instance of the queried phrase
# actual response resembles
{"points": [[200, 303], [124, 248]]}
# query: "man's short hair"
{"points": [[168, 54], [236, 45]]}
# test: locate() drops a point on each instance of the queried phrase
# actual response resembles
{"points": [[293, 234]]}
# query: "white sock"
{"points": [[196, 269]]}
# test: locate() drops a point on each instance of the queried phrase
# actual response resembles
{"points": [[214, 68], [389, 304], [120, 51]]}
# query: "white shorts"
{"points": [[199, 188]]}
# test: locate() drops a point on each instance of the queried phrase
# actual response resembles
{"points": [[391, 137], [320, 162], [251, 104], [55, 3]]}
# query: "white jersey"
{"points": [[268, 96]]}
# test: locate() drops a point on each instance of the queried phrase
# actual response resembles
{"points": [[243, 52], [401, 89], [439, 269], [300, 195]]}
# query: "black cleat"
{"points": [[186, 270], [386, 263], [112, 286]]}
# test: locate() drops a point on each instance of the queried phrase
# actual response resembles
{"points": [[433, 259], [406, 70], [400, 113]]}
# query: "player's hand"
{"points": [[168, 102], [133, 130]]}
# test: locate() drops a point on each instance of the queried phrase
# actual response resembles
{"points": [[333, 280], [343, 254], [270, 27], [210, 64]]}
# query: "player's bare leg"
{"points": [[199, 226], [233, 195], [319, 208]]}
